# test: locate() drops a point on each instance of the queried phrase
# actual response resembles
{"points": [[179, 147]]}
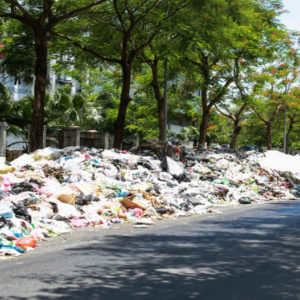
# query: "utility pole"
{"points": [[284, 138], [165, 102]]}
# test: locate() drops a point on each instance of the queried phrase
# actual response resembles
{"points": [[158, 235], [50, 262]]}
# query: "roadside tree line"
{"points": [[229, 58]]}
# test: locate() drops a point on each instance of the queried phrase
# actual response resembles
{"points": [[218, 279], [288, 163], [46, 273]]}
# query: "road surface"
{"points": [[248, 252]]}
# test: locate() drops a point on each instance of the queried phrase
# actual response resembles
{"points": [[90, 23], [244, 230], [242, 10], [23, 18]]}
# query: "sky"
{"points": [[292, 18]]}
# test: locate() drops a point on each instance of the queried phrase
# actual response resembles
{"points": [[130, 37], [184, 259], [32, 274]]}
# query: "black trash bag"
{"points": [[21, 212], [145, 164], [81, 200], [22, 187], [61, 218], [245, 200], [35, 182], [30, 201], [190, 163], [84, 199], [155, 188], [54, 207], [161, 210], [164, 163], [149, 189], [208, 178], [2, 222], [185, 206], [185, 177], [5, 222]]}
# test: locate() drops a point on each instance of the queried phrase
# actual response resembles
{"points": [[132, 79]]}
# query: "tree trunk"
{"points": [[37, 120], [204, 100], [288, 136], [237, 129], [124, 101], [203, 127], [269, 136], [159, 98]]}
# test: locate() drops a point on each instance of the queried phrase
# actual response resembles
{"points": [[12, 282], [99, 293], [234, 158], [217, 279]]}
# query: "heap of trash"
{"points": [[51, 191]]}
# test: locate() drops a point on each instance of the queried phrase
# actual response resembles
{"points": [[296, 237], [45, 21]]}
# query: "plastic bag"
{"points": [[6, 210], [21, 212], [174, 168], [67, 198], [23, 160], [26, 242]]}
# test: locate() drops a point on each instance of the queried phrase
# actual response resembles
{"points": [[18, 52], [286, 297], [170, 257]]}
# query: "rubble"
{"points": [[51, 191]]}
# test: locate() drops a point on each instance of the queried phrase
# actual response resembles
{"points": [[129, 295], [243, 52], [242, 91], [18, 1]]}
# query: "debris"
{"points": [[51, 191]]}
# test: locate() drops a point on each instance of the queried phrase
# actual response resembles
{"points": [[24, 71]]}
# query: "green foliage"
{"points": [[190, 133], [64, 109], [5, 102], [17, 54], [207, 44]]}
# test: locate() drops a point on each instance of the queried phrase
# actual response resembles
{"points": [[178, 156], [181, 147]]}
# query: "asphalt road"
{"points": [[248, 252]]}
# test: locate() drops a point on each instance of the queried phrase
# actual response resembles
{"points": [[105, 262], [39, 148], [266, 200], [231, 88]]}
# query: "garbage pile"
{"points": [[51, 191]]}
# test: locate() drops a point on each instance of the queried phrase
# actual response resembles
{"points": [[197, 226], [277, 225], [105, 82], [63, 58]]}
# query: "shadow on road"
{"points": [[248, 258]]}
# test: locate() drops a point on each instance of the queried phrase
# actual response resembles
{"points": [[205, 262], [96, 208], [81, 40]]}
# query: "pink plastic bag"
{"points": [[138, 212], [78, 223]]}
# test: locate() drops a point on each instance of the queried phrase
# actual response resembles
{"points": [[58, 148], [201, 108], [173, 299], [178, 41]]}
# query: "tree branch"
{"points": [[221, 93], [239, 88], [88, 50], [131, 15], [278, 108], [195, 63], [139, 6], [47, 4], [223, 113], [214, 62], [75, 12], [144, 14], [141, 47], [259, 115], [119, 15], [26, 18], [106, 24], [19, 6], [155, 29], [241, 109], [13, 16]]}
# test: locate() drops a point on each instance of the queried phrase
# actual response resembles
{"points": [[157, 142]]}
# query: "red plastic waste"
{"points": [[26, 242]]}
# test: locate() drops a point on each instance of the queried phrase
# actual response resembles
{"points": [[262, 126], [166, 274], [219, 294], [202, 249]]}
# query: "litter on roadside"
{"points": [[51, 191]]}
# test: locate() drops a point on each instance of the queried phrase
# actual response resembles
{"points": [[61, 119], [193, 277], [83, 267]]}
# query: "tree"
{"points": [[41, 17], [239, 101], [293, 114], [118, 34], [159, 56], [17, 52], [16, 113], [235, 116], [222, 34], [64, 109], [159, 96], [272, 114], [156, 60], [273, 85], [5, 102]]}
